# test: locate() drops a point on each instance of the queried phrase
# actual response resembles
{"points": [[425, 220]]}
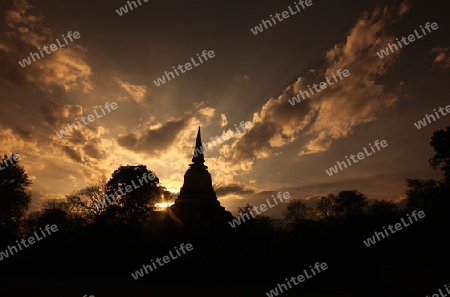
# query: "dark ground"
{"points": [[404, 284]]}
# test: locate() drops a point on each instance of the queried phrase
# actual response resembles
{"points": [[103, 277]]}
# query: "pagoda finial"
{"points": [[198, 151]]}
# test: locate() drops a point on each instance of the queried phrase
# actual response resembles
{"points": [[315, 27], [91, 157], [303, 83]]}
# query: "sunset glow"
{"points": [[164, 204]]}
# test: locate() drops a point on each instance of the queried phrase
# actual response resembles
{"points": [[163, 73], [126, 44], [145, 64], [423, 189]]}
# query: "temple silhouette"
{"points": [[197, 207]]}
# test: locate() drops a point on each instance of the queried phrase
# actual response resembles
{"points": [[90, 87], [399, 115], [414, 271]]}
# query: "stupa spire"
{"points": [[198, 151]]}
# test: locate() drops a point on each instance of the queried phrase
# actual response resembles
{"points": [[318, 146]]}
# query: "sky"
{"points": [[250, 78]]}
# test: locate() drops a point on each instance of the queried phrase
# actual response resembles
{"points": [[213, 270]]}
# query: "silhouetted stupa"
{"points": [[197, 206]]}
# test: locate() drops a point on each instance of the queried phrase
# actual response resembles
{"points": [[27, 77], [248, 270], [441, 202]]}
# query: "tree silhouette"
{"points": [[381, 209], [54, 211], [347, 203], [350, 203], [325, 208], [432, 195], [135, 189], [440, 141], [427, 195], [86, 202], [296, 211], [245, 210], [14, 195]]}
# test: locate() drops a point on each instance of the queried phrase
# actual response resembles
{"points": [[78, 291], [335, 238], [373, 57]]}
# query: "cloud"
{"points": [[18, 141], [93, 149], [64, 68], [83, 144], [223, 120], [58, 116], [442, 59], [137, 92], [233, 189], [404, 7], [50, 113], [318, 121], [72, 154], [207, 112], [25, 135], [154, 141]]}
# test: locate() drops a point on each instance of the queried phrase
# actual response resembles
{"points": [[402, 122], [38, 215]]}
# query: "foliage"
{"points": [[297, 211], [440, 141], [14, 195]]}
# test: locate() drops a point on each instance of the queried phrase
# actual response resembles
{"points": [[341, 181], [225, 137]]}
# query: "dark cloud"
{"points": [[59, 116], [255, 141], [24, 135], [442, 59], [50, 112], [93, 149], [72, 154], [77, 137], [154, 141], [233, 189], [9, 73]]}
